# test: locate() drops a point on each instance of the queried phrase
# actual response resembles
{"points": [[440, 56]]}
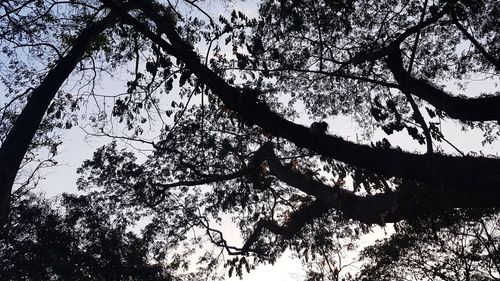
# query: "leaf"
{"points": [[184, 77], [151, 67]]}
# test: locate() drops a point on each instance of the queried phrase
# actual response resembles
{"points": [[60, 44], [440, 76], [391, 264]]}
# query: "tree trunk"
{"points": [[20, 136]]}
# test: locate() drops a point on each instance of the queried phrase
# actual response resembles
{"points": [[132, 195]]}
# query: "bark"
{"points": [[473, 109], [20, 136]]}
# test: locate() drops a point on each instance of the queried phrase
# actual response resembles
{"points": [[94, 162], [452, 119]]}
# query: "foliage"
{"points": [[232, 115], [460, 246], [76, 241]]}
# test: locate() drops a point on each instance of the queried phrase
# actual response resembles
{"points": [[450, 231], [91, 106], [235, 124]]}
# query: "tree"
{"points": [[77, 242], [459, 246], [231, 143]]}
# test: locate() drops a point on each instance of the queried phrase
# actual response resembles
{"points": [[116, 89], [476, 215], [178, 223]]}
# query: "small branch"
{"points": [[193, 3], [454, 147], [418, 116], [221, 242], [211, 179], [476, 44], [41, 44], [295, 222], [338, 73]]}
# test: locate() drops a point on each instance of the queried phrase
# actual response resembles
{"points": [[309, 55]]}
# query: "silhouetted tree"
{"points": [[78, 241], [228, 138], [458, 246]]}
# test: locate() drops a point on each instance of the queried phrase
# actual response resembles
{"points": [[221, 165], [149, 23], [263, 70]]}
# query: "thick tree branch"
{"points": [[405, 203], [19, 137], [473, 109], [472, 174], [355, 207]]}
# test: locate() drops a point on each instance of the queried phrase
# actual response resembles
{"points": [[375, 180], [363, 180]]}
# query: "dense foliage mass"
{"points": [[78, 242], [231, 116]]}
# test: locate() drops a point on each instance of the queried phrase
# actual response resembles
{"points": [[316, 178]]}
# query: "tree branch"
{"points": [[296, 221], [210, 179], [476, 44], [473, 109], [416, 111], [478, 175], [407, 202], [384, 51]]}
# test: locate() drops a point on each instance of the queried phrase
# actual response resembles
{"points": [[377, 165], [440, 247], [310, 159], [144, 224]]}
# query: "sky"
{"points": [[78, 146]]}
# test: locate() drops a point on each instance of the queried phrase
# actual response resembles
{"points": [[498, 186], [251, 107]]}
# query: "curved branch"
{"points": [[296, 221], [406, 203], [193, 3], [41, 44], [473, 109]]}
